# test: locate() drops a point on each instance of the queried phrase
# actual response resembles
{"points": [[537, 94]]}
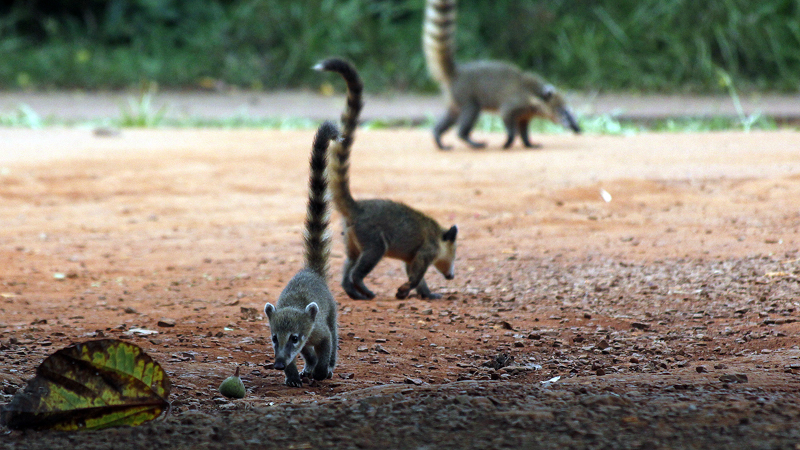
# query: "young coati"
{"points": [[377, 228], [304, 319], [484, 85]]}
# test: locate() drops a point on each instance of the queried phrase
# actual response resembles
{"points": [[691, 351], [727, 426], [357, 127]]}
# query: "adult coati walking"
{"points": [[304, 319], [377, 228], [484, 85]]}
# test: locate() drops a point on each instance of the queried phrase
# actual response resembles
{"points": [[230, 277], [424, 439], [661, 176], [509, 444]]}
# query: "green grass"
{"points": [[138, 112], [23, 117], [629, 45]]}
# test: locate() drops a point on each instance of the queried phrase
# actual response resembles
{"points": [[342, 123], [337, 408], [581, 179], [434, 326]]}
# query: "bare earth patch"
{"points": [[670, 313]]}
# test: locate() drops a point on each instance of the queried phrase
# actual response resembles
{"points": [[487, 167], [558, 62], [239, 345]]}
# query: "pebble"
{"points": [[414, 381], [166, 322], [379, 348], [733, 378]]}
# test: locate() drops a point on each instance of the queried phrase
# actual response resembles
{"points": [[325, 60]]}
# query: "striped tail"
{"points": [[340, 161], [317, 239], [438, 39]]}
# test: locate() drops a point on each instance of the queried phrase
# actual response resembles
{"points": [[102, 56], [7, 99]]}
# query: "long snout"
{"points": [[279, 365], [568, 120]]}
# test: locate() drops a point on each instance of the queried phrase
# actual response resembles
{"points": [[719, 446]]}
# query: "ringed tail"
{"points": [[317, 239], [438, 39], [340, 160]]}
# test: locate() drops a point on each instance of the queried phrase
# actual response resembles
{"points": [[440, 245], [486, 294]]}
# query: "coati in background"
{"points": [[304, 319], [377, 228], [484, 85]]}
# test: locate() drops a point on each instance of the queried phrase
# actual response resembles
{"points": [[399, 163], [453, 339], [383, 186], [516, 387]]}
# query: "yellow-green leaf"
{"points": [[92, 385]]}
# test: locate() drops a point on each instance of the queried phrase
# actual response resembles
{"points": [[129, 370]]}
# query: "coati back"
{"points": [[377, 228], [484, 85], [304, 319]]}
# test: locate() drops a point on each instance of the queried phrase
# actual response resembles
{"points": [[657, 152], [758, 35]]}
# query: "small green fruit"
{"points": [[232, 386]]}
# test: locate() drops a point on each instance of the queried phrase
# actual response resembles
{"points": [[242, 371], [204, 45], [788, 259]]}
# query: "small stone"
{"points": [[733, 378], [362, 349], [166, 322], [701, 369], [414, 381], [248, 313], [379, 348], [130, 310]]}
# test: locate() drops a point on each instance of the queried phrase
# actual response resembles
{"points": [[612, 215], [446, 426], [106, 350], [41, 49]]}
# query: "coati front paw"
{"points": [[322, 373], [294, 382], [403, 291], [474, 144], [364, 292], [357, 293]]}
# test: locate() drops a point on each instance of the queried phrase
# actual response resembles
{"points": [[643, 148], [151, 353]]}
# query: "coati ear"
{"points": [[312, 309], [450, 235], [269, 310], [547, 91]]}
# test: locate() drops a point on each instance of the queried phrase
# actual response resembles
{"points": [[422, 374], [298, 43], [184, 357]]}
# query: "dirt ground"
{"points": [[611, 291]]}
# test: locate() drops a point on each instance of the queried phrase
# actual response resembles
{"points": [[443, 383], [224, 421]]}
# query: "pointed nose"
{"points": [[568, 120], [449, 276], [279, 365]]}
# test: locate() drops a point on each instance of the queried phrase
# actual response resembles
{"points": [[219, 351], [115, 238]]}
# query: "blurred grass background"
{"points": [[597, 45]]}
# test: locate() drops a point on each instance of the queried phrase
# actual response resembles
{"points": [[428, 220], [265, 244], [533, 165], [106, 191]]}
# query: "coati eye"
{"points": [[275, 338], [294, 339], [547, 91]]}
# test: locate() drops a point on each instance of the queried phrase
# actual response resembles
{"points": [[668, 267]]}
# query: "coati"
{"points": [[377, 228], [484, 85], [304, 319]]}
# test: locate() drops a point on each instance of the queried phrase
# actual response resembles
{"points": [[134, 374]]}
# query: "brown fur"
{"points": [[304, 319], [377, 228], [484, 85]]}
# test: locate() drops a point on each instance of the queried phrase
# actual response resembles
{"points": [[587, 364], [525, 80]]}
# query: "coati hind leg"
{"points": [[367, 260], [523, 133], [353, 255], [323, 368], [448, 120], [317, 363], [416, 273], [466, 121], [347, 280]]}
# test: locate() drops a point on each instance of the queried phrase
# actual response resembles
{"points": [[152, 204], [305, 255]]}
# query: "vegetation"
{"points": [[643, 45]]}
